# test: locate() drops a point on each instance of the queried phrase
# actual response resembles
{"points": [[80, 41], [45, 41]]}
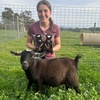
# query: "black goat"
{"points": [[51, 72], [49, 43], [39, 42], [45, 45]]}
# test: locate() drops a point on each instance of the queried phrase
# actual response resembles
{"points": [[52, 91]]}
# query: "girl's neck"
{"points": [[44, 26]]}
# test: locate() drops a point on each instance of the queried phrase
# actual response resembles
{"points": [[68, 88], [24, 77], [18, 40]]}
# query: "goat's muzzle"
{"points": [[25, 65]]}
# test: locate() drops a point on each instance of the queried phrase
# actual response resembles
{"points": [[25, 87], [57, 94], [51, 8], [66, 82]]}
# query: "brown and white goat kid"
{"points": [[52, 72]]}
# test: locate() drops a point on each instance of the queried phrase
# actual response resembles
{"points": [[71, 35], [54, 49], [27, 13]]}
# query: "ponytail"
{"points": [[51, 22]]}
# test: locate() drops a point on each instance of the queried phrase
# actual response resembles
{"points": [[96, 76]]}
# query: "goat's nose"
{"points": [[25, 65]]}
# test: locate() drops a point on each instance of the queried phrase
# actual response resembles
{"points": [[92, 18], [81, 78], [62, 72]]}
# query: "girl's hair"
{"points": [[45, 2]]}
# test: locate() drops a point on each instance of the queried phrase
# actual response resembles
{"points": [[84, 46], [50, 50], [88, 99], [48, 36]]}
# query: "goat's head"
{"points": [[48, 37], [26, 55]]}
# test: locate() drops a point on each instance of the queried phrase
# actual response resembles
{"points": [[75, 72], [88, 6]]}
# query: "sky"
{"points": [[71, 15], [79, 3]]}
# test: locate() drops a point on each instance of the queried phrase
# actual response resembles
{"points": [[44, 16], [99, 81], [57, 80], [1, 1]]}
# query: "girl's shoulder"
{"points": [[35, 24], [55, 28]]}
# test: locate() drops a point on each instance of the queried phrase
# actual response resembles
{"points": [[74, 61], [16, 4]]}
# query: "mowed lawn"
{"points": [[13, 81]]}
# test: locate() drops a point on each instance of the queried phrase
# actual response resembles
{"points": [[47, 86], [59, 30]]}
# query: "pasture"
{"points": [[13, 81]]}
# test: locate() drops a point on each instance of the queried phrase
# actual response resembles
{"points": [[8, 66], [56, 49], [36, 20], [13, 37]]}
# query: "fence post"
{"points": [[94, 27], [17, 27]]}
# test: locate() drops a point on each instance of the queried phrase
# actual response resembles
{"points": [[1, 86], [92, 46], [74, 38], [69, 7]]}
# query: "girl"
{"points": [[44, 26]]}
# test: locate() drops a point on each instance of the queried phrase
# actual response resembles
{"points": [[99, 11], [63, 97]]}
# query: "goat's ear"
{"points": [[39, 54], [16, 53], [42, 54]]}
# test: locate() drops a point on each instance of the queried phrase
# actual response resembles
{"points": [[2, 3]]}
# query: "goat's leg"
{"points": [[38, 86], [67, 86], [51, 47], [72, 82], [76, 88], [29, 85], [75, 85]]}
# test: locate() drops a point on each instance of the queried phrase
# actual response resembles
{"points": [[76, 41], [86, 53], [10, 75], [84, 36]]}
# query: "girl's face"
{"points": [[44, 13]]}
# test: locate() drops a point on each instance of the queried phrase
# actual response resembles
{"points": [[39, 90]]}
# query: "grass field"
{"points": [[13, 81], [8, 35]]}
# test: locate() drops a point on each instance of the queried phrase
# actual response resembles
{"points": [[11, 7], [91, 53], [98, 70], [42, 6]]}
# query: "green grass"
{"points": [[13, 81], [8, 35]]}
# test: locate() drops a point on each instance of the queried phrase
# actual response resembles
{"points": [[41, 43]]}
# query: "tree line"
{"points": [[9, 17]]}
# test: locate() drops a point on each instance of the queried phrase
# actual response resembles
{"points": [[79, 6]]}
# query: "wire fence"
{"points": [[78, 19], [73, 21]]}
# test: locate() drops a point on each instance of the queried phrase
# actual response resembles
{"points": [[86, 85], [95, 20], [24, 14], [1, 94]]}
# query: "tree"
{"points": [[7, 15], [26, 16]]}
